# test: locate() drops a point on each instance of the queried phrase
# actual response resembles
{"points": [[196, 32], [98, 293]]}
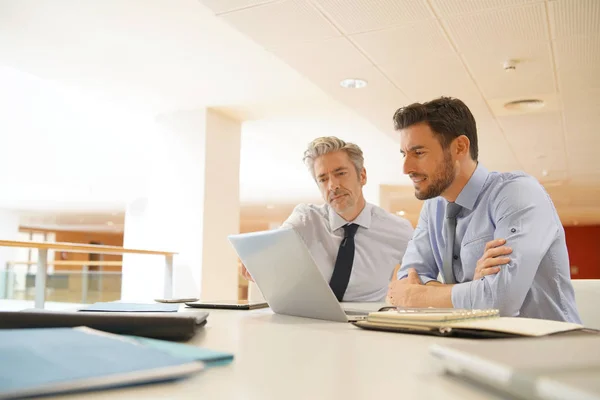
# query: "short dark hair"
{"points": [[447, 117]]}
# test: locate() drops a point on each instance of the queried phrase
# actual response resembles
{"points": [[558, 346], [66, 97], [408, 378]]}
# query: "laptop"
{"points": [[288, 277], [554, 367]]}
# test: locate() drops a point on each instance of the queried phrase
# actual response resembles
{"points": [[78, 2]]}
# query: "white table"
{"points": [[282, 357]]}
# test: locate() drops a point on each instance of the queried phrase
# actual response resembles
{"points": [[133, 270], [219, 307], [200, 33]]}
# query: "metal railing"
{"points": [[64, 285], [42, 261]]}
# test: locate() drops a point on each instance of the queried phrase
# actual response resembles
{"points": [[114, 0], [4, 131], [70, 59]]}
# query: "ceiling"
{"points": [[277, 65], [416, 50]]}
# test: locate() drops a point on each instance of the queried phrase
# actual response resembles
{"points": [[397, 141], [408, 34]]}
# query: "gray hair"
{"points": [[330, 144]]}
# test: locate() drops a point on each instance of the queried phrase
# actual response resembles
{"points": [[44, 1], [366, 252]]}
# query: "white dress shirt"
{"points": [[380, 243]]}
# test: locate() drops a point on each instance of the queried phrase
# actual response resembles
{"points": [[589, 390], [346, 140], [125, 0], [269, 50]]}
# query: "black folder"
{"points": [[166, 326]]}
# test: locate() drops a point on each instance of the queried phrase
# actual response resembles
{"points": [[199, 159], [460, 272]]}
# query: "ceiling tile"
{"points": [[404, 44], [582, 123], [578, 52], [223, 6], [538, 142], [446, 8], [353, 16], [534, 73], [341, 58], [378, 91], [424, 79], [282, 23], [579, 80], [499, 28], [574, 17]]}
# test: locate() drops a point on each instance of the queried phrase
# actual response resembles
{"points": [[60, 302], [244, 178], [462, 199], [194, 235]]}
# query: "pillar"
{"points": [[190, 205]]}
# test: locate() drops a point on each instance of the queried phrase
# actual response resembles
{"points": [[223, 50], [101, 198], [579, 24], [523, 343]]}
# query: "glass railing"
{"points": [[18, 283]]}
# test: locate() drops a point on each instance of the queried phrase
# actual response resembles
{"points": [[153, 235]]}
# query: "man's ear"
{"points": [[363, 177], [463, 146]]}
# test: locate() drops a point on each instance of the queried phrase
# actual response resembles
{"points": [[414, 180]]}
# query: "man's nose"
{"points": [[334, 184], [408, 166]]}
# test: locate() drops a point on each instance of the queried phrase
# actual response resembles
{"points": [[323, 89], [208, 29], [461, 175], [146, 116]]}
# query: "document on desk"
{"points": [[463, 323], [48, 361], [115, 306]]}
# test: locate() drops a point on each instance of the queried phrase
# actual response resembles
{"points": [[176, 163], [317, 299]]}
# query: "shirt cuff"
{"points": [[424, 278], [461, 295]]}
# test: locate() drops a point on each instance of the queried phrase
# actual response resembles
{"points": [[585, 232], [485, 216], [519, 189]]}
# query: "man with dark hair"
{"points": [[495, 238]]}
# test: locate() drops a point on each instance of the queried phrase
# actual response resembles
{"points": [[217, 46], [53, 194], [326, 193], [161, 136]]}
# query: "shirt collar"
{"points": [[469, 194], [363, 219]]}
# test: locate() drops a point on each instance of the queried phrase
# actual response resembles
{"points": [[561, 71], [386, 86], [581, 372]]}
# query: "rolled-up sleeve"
{"points": [[523, 215], [419, 254]]}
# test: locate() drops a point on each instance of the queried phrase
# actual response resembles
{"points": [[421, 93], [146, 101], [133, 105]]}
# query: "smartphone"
{"points": [[181, 300]]}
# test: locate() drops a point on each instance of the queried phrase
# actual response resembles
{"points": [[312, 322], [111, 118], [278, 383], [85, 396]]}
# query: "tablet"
{"points": [[228, 305]]}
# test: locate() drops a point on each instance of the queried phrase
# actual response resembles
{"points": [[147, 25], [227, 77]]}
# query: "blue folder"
{"points": [[58, 360]]}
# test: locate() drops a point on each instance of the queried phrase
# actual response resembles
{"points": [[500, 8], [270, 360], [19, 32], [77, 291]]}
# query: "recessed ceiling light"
{"points": [[524, 105], [544, 172], [353, 83], [110, 223], [400, 213], [270, 206]]}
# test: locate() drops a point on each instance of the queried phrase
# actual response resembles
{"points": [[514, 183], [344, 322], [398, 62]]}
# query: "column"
{"points": [[9, 230], [190, 205]]}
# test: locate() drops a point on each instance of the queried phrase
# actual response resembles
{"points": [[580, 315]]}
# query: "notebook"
{"points": [[48, 361], [462, 323], [115, 306], [169, 326]]}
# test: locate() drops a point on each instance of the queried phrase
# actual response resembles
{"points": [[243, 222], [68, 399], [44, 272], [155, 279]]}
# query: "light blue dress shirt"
{"points": [[536, 283]]}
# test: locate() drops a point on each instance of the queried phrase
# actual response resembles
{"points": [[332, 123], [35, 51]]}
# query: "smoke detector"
{"points": [[509, 65]]}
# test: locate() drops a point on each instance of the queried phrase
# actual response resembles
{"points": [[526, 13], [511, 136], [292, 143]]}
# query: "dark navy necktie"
{"points": [[343, 263]]}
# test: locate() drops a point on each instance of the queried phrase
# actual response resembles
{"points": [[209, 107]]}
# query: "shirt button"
{"points": [[513, 230], [455, 257]]}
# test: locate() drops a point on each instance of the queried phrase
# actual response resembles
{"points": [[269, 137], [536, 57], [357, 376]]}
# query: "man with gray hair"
{"points": [[356, 245]]}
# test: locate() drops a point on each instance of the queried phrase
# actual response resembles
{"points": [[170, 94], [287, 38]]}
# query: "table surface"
{"points": [[283, 357]]}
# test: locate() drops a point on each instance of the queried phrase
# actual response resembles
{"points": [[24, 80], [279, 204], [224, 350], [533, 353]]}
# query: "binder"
{"points": [[47, 361], [168, 326]]}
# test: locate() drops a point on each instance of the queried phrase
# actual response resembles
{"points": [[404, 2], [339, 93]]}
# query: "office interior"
{"points": [[169, 125]]}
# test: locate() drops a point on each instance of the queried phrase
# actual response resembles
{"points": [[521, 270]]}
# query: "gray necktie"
{"points": [[452, 210]]}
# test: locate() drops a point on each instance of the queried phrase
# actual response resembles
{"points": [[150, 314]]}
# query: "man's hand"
{"points": [[246, 274], [399, 291], [493, 257]]}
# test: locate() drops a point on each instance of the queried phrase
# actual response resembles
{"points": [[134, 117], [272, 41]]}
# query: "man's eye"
{"points": [[419, 153]]}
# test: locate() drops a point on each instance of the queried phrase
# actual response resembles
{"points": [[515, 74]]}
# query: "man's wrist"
{"points": [[439, 296]]}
